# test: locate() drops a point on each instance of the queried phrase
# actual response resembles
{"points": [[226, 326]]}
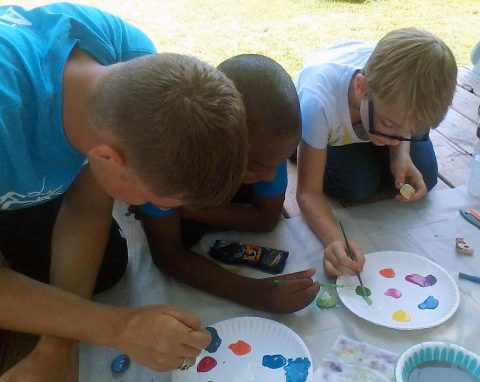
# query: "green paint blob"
{"points": [[363, 291]]}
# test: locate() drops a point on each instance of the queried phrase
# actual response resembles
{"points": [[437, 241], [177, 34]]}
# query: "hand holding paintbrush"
{"points": [[352, 256]]}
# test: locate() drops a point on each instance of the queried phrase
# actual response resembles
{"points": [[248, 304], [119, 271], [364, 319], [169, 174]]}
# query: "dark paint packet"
{"points": [[267, 259]]}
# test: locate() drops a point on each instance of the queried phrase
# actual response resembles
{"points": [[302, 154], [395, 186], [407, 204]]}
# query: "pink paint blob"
{"points": [[240, 347], [206, 364], [422, 281], [389, 273], [392, 292]]}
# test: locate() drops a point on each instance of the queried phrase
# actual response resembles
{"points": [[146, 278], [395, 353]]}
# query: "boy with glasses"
{"points": [[366, 111]]}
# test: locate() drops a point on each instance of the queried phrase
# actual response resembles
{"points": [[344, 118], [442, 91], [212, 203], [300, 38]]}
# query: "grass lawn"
{"points": [[289, 31]]}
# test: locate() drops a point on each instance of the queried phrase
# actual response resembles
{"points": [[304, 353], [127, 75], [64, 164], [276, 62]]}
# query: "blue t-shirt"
{"points": [[274, 187], [37, 162]]}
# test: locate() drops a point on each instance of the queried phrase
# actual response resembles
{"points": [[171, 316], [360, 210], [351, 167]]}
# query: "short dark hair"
{"points": [[268, 93]]}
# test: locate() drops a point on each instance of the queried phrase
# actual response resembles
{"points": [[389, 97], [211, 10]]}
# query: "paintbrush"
{"points": [[331, 285], [354, 258]]}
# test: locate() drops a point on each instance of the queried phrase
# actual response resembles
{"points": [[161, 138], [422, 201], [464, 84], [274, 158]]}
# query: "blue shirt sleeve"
{"points": [[276, 186], [105, 36], [152, 210]]}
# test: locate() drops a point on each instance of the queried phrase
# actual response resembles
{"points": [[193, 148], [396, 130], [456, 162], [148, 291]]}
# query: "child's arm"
{"points": [[405, 171], [260, 216], [294, 292], [317, 213]]}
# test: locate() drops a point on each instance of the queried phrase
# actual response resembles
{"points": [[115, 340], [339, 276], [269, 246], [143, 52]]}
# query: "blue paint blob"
{"points": [[430, 303], [275, 361], [297, 370], [216, 340], [120, 364]]}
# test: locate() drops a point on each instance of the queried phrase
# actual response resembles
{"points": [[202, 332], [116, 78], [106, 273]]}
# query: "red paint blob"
{"points": [[387, 272], [206, 364], [240, 347]]}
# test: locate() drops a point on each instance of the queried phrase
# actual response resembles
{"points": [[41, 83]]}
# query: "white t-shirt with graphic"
{"points": [[322, 87]]}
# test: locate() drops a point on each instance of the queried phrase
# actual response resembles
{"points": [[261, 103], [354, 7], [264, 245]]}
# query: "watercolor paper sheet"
{"points": [[351, 360]]}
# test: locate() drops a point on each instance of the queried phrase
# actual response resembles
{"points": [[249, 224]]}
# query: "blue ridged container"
{"points": [[442, 352]]}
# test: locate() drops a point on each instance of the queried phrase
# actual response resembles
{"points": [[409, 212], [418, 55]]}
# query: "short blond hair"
{"points": [[180, 124], [415, 71]]}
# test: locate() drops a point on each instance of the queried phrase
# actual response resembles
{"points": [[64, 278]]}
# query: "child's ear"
{"points": [[106, 155], [360, 84]]}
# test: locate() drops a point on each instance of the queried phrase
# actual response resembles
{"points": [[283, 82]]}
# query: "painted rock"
{"points": [[326, 300], [407, 191], [120, 364]]}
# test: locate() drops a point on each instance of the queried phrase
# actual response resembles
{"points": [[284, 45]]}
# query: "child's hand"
{"points": [[336, 261], [285, 293], [406, 172]]}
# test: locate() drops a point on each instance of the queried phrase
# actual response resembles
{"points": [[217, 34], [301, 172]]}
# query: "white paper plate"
{"points": [[445, 291], [266, 337]]}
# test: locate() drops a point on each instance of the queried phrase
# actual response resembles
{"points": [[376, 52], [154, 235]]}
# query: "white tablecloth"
{"points": [[427, 228]]}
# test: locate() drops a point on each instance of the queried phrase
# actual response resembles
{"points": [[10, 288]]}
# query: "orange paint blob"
{"points": [[387, 272], [240, 347]]}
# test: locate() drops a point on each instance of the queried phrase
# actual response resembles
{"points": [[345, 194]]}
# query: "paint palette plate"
{"points": [[266, 337], [401, 311]]}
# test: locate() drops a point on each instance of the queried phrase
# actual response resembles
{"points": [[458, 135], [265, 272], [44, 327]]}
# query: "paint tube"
{"points": [[267, 259]]}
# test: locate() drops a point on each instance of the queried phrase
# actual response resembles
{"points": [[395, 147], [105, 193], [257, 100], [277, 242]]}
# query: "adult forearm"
{"points": [[80, 236], [30, 306], [78, 247]]}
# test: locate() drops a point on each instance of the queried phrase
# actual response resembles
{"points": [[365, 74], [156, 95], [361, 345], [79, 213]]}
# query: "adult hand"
{"points": [[404, 171], [162, 337], [52, 360], [283, 294], [336, 261]]}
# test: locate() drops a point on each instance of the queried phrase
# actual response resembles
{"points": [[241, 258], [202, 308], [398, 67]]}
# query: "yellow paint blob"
{"points": [[401, 315]]}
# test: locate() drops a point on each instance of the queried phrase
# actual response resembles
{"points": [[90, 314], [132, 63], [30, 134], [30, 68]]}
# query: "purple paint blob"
{"points": [[216, 340], [335, 367], [421, 281], [275, 361], [392, 292], [297, 370], [430, 303]]}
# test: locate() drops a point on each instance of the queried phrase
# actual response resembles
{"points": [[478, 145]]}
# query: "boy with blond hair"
{"points": [[90, 112], [273, 121], [366, 110]]}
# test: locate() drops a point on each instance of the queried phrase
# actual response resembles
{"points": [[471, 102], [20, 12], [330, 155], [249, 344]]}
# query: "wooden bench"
{"points": [[453, 142]]}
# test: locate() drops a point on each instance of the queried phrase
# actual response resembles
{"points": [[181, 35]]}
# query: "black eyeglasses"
{"points": [[371, 128]]}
